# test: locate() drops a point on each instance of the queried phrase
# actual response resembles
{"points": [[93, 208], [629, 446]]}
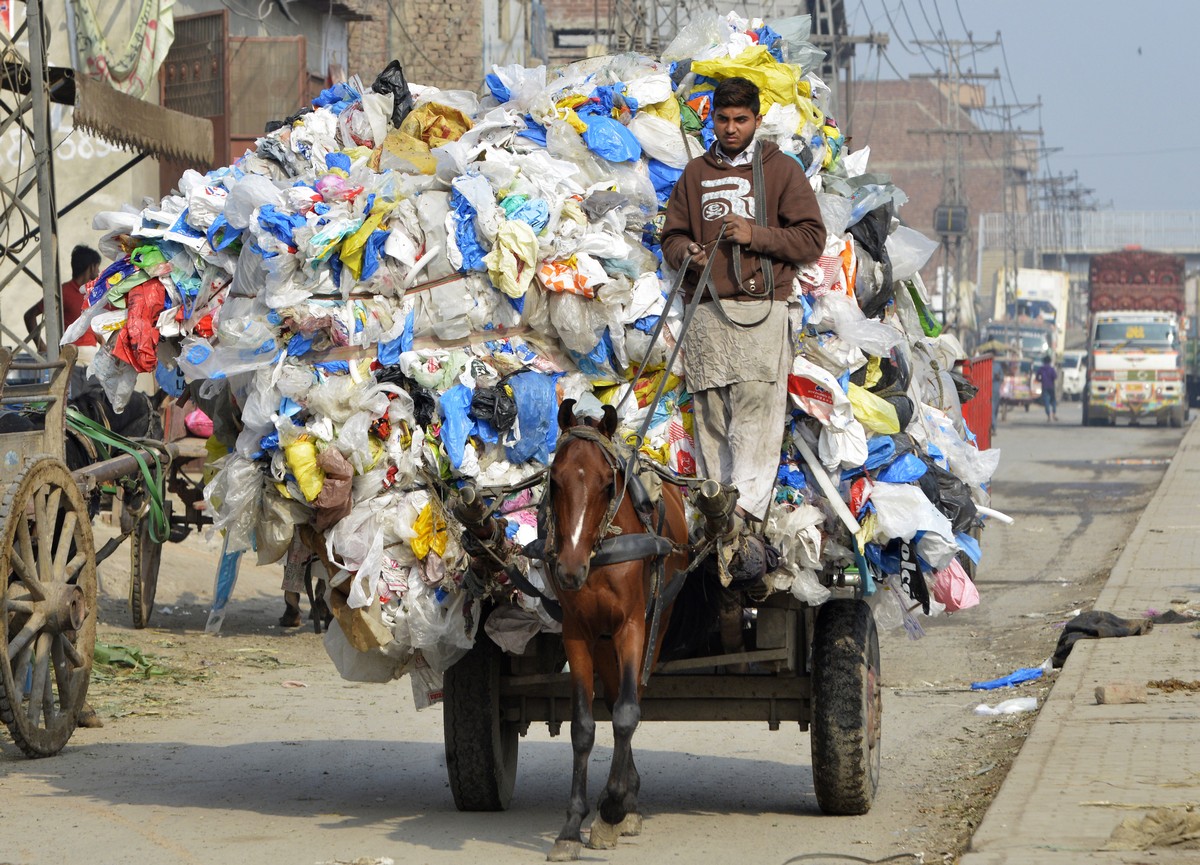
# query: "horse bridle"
{"points": [[619, 471]]}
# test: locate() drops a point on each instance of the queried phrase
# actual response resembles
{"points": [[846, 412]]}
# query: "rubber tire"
{"points": [[145, 557], [1178, 416], [481, 748], [847, 707]]}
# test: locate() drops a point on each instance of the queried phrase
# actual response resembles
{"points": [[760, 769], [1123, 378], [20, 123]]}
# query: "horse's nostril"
{"points": [[572, 576]]}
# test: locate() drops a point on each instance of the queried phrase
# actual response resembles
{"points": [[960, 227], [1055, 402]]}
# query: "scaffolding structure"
{"points": [[30, 212]]}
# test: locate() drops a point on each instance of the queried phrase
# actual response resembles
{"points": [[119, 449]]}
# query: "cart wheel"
{"points": [[144, 558], [847, 707], [47, 607], [481, 747]]}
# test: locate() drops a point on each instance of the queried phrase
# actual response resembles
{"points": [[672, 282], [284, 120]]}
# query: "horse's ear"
{"points": [[608, 424], [566, 414]]}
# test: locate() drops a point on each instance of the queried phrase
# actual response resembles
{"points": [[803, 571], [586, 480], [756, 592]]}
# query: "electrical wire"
{"points": [[925, 15], [1007, 71], [882, 53], [874, 104], [433, 66], [962, 20], [260, 17], [941, 24], [892, 24]]}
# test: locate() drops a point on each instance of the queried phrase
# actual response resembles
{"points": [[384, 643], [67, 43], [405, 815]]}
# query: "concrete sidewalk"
{"points": [[1086, 767]]}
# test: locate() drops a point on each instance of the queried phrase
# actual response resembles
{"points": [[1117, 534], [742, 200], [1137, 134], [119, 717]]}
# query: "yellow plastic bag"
{"points": [[402, 152], [431, 534], [873, 412], [213, 451], [647, 386], [302, 460], [777, 82], [436, 124], [668, 110], [513, 260], [352, 246], [868, 525]]}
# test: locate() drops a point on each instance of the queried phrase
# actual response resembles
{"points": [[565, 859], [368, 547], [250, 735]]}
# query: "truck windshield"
{"points": [[1032, 342], [1141, 334]]}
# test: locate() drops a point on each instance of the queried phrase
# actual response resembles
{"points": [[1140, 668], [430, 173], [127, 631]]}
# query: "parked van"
{"points": [[1073, 373]]}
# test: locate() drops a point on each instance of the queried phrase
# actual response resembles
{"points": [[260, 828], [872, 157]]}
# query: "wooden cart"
{"points": [[48, 562], [815, 666]]}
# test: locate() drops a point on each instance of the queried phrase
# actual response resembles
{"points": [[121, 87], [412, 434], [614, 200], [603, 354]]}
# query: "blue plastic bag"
{"points": [[609, 138], [534, 212], [496, 87], [906, 469], [279, 223], [454, 405], [664, 178], [373, 253], [1017, 677], [537, 410], [464, 233], [534, 131]]}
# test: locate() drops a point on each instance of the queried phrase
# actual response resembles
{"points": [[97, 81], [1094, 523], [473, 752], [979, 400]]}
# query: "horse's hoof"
{"points": [[631, 826], [604, 835], [564, 851]]}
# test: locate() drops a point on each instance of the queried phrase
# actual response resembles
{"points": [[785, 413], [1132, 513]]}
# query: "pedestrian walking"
{"points": [[1048, 376]]}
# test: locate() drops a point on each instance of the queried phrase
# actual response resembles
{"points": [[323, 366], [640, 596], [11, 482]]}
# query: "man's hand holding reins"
{"points": [[738, 229]]}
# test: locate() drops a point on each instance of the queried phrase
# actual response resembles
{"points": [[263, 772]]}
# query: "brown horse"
{"points": [[605, 603]]}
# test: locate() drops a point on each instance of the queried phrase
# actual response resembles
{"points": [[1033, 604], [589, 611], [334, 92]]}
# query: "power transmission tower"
{"points": [[951, 216]]}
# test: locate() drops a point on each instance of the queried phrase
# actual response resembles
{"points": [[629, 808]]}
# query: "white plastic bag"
{"points": [[443, 630], [908, 249]]}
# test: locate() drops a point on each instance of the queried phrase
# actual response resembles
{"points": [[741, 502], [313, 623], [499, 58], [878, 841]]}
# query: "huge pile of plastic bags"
{"points": [[394, 291]]}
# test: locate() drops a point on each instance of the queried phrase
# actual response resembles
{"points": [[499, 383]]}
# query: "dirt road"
{"points": [[248, 747]]}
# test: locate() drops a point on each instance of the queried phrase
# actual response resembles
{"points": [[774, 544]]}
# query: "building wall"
{"points": [[440, 44], [899, 121]]}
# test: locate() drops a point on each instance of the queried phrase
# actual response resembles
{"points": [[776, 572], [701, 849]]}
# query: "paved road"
{"points": [[232, 766]]}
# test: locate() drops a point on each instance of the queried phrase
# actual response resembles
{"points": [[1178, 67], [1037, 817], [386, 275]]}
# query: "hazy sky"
{"points": [[1117, 82]]}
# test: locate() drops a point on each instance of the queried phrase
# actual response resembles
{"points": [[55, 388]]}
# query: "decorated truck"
{"points": [[1136, 339]]}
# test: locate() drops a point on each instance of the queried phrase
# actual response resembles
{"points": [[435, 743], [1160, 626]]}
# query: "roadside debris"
{"points": [[1093, 625], [1120, 692], [1015, 706], [1017, 677]]}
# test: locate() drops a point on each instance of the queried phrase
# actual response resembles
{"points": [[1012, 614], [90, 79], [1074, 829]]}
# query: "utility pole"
{"points": [[951, 216], [830, 34], [1014, 139]]}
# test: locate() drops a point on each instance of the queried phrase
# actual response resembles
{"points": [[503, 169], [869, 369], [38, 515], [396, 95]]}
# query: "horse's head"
{"points": [[582, 484]]}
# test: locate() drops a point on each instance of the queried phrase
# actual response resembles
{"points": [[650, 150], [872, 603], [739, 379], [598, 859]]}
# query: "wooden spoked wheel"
{"points": [[47, 606], [145, 556]]}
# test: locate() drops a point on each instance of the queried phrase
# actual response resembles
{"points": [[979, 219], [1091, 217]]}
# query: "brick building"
{"points": [[900, 121]]}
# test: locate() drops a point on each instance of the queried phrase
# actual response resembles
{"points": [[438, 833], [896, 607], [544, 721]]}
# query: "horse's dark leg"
{"points": [[583, 737], [620, 800]]}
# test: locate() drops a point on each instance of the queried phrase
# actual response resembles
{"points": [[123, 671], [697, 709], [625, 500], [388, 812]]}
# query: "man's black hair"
{"points": [[82, 257], [737, 93]]}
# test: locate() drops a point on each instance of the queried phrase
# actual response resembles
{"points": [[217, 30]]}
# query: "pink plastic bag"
{"points": [[954, 589], [198, 423]]}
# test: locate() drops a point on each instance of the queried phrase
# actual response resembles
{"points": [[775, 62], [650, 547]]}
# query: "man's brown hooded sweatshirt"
{"points": [[710, 188]]}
